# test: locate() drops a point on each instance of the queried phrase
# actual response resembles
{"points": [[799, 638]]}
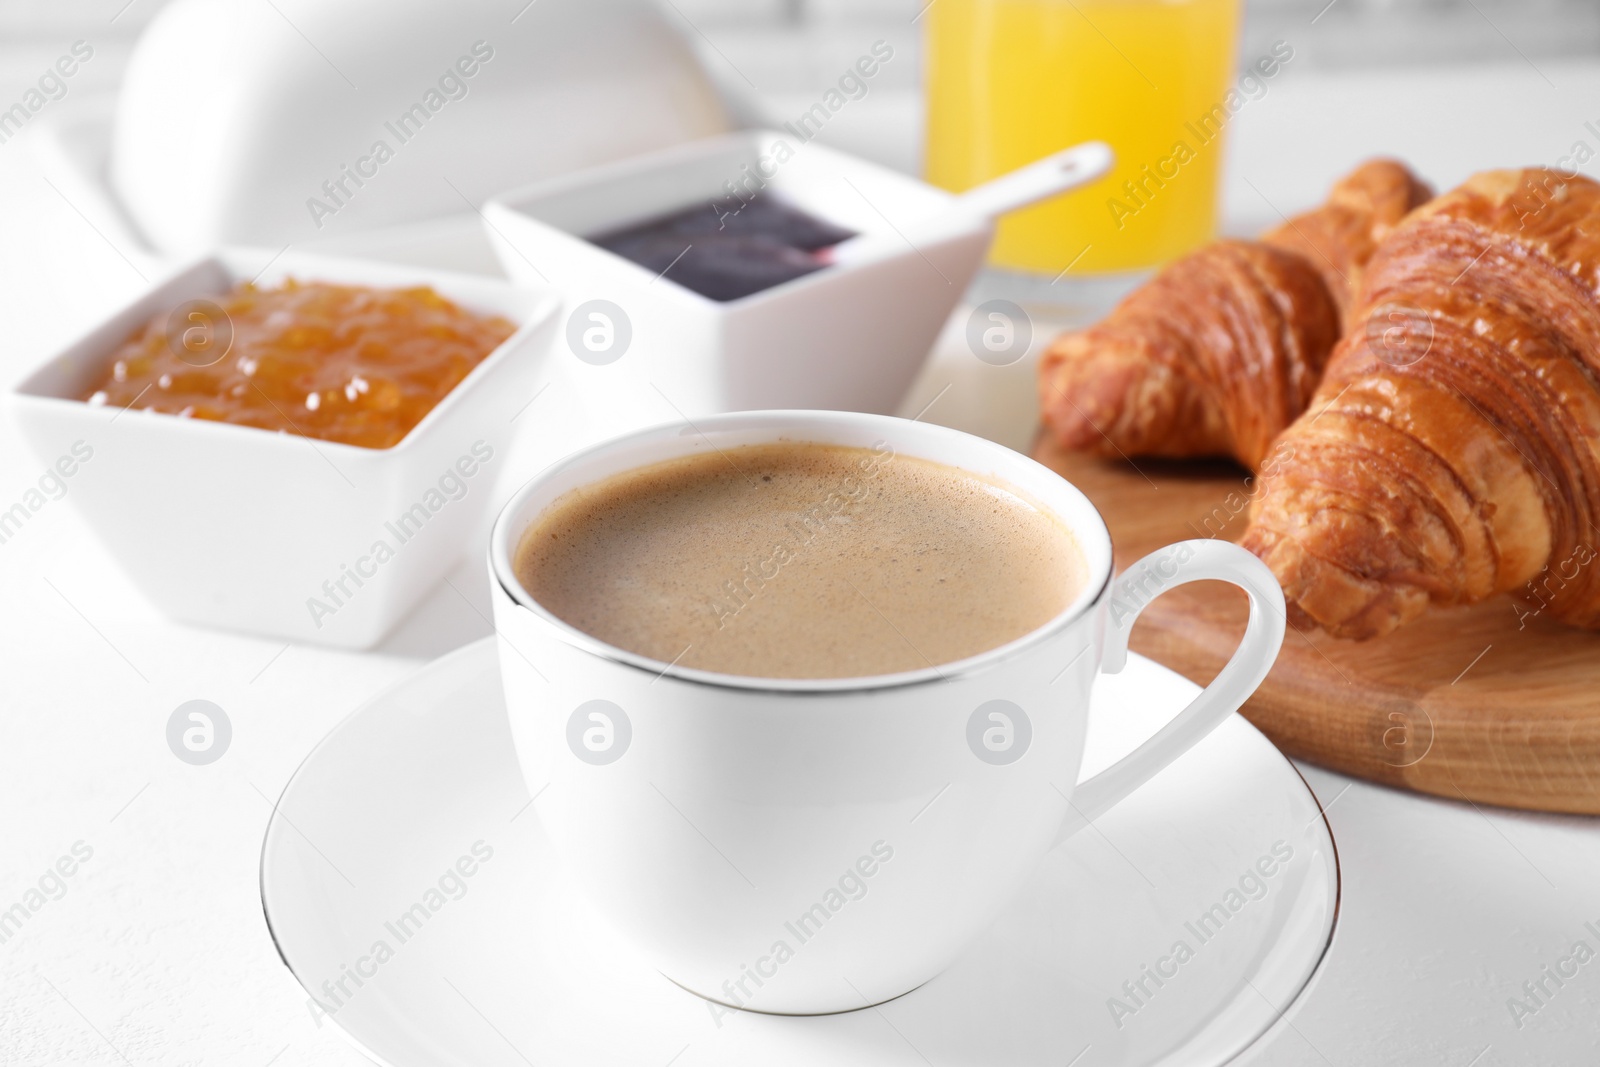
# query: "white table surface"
{"points": [[157, 952]]}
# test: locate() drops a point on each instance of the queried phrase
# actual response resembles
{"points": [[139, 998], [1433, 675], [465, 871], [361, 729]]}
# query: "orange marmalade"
{"points": [[341, 363]]}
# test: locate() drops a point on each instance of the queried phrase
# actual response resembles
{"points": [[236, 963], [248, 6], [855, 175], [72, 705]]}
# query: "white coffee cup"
{"points": [[810, 846]]}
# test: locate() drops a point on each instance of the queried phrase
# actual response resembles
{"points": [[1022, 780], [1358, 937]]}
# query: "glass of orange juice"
{"points": [[1009, 81]]}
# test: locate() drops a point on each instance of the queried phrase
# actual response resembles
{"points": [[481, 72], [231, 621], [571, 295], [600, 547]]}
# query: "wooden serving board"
{"points": [[1468, 703]]}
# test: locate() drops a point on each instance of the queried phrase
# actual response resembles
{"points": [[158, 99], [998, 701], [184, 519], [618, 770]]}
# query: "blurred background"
{"points": [[977, 87], [797, 45], [1440, 66]]}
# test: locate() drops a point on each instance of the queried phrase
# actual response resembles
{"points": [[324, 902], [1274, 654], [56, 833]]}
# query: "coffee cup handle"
{"points": [[1164, 569]]}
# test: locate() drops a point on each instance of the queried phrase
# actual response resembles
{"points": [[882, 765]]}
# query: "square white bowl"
{"points": [[276, 533], [850, 336]]}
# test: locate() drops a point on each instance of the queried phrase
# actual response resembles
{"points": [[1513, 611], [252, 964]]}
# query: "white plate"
{"points": [[507, 966]]}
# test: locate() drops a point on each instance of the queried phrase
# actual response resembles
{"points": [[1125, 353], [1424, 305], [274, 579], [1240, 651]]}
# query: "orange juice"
{"points": [[1009, 81]]}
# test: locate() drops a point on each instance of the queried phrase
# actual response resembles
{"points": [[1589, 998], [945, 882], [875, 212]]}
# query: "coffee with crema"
{"points": [[800, 560]]}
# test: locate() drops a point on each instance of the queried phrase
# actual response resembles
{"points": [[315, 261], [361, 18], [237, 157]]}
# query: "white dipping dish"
{"points": [[247, 529], [850, 336]]}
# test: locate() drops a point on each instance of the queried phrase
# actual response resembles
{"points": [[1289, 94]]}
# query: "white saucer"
{"points": [[510, 967]]}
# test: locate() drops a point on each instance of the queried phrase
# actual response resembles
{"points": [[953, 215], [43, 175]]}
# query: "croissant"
{"points": [[1224, 348], [1453, 449]]}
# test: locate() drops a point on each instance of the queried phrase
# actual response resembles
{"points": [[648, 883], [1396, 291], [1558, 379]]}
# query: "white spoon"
{"points": [[1044, 178]]}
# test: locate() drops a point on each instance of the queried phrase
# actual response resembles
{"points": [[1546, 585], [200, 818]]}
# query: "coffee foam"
{"points": [[801, 560]]}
